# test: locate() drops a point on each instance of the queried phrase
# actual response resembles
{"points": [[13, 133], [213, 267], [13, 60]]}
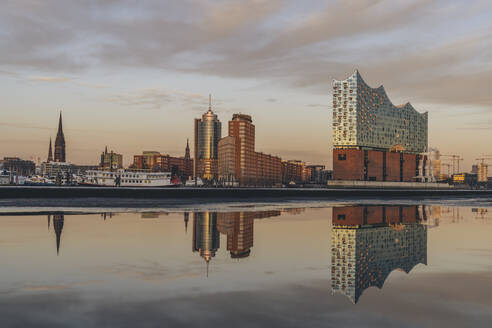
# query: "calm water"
{"points": [[343, 266]]}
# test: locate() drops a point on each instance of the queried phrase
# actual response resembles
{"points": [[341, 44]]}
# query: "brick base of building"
{"points": [[374, 165]]}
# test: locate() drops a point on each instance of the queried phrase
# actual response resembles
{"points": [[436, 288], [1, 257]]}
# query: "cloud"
{"points": [[423, 51], [49, 78], [156, 98]]}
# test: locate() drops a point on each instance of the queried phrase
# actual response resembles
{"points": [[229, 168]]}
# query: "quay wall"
{"points": [[219, 194]]}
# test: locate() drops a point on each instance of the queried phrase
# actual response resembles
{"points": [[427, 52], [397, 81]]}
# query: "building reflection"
{"points": [[186, 219], [369, 242], [58, 221], [237, 226], [206, 238], [106, 215]]}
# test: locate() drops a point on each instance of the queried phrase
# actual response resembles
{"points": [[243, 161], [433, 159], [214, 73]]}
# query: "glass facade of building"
{"points": [[208, 132], [364, 117]]}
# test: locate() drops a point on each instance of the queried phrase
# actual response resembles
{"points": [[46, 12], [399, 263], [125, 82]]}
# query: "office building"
{"points": [[374, 140], [17, 167], [239, 163], [110, 160], [55, 169], [295, 171], [482, 172], [157, 162], [208, 132]]}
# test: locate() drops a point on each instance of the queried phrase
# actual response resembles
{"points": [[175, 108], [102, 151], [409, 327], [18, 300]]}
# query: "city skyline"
{"points": [[110, 75]]}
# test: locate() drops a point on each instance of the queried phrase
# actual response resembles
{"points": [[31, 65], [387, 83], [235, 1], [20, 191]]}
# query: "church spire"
{"points": [[60, 143], [60, 127], [50, 153], [187, 149]]}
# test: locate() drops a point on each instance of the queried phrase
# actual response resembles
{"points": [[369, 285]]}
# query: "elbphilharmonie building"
{"points": [[374, 140]]}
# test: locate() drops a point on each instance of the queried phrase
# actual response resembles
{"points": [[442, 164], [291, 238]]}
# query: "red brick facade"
{"points": [[374, 165], [348, 164], [374, 215]]}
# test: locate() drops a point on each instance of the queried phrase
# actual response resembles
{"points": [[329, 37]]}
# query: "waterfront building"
{"points": [[370, 242], [157, 162], [228, 171], [374, 140], [60, 155], [17, 167], [482, 172], [56, 169], [239, 163], [295, 171], [242, 128], [208, 132], [110, 160]]}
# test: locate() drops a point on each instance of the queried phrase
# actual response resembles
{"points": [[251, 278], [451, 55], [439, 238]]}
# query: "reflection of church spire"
{"points": [[49, 220], [206, 237], [58, 220], [186, 219]]}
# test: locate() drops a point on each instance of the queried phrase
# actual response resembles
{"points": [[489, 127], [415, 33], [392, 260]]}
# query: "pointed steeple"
{"points": [[60, 143], [60, 127], [50, 153], [210, 102], [187, 149]]}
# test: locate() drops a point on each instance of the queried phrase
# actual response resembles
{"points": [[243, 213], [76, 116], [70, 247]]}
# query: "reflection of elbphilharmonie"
{"points": [[369, 242]]}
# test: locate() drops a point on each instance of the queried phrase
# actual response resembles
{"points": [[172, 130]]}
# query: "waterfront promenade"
{"points": [[38, 192]]}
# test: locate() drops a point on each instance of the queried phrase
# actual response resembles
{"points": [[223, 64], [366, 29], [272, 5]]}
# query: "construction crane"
{"points": [[455, 159]]}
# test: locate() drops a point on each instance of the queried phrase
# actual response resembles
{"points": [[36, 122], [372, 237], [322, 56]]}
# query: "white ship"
{"points": [[125, 178]]}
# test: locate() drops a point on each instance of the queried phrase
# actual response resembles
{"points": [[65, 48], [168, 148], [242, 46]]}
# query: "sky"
{"points": [[133, 75]]}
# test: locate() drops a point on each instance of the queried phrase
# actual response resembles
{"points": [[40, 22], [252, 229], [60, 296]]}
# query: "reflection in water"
{"points": [[237, 226], [369, 242], [58, 220], [206, 239], [186, 219]]}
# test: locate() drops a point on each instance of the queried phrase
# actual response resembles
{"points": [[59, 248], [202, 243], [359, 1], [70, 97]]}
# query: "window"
{"points": [[341, 217], [342, 157]]}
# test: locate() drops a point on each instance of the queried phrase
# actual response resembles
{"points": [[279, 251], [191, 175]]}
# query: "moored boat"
{"points": [[127, 178]]}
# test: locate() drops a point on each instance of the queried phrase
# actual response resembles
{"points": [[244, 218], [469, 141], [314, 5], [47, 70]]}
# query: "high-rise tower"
{"points": [[60, 143], [208, 131]]}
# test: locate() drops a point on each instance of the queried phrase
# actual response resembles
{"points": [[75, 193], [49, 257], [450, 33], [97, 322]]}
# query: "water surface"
{"points": [[342, 266]]}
